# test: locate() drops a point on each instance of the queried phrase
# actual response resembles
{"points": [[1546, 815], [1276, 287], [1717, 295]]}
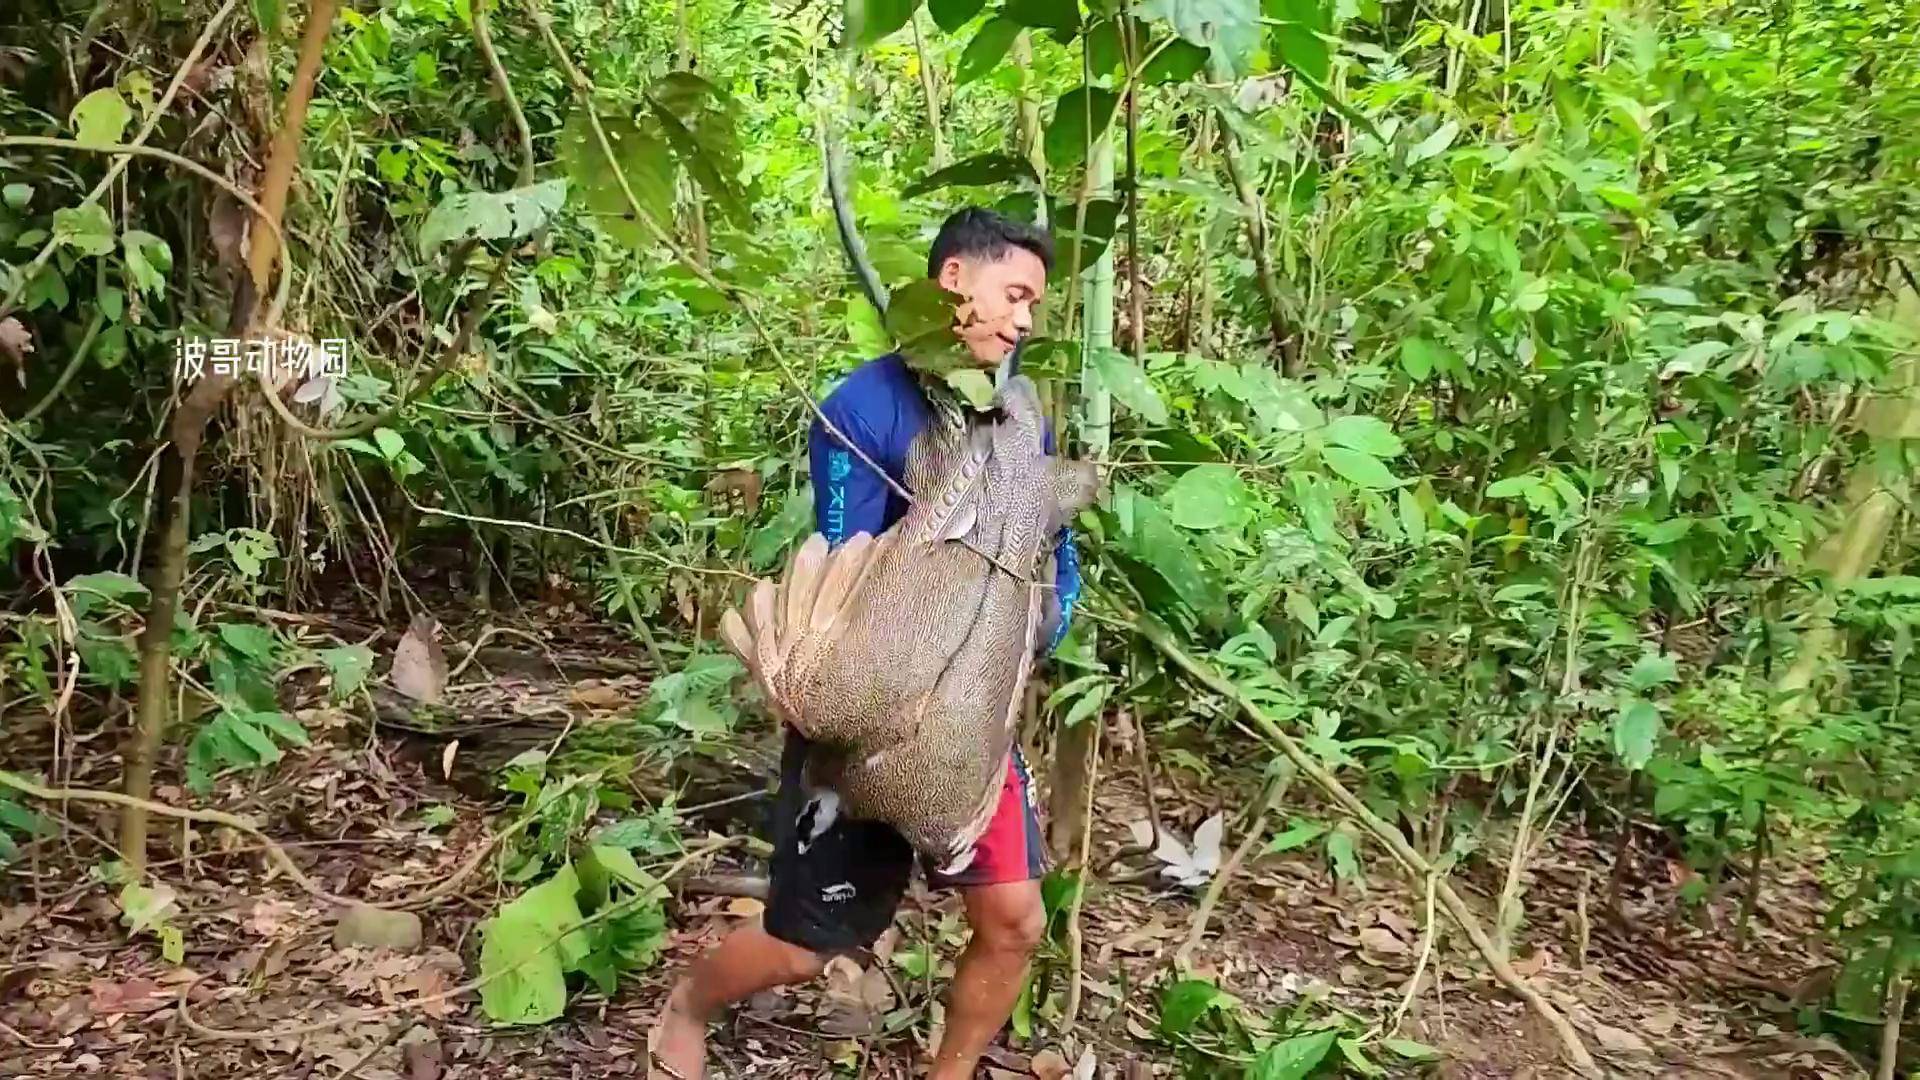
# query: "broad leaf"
{"points": [[87, 228], [1363, 470], [101, 117], [349, 666], [1209, 497], [1297, 39], [524, 953], [1178, 62], [643, 160], [974, 172], [1636, 729], [1367, 434], [988, 47], [1047, 14], [1294, 1058], [1230, 28], [1081, 116], [951, 15], [1186, 1001], [1433, 145], [1118, 374], [868, 21], [490, 215]]}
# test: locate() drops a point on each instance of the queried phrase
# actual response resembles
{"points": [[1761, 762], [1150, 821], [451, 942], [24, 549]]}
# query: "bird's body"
{"points": [[904, 657]]}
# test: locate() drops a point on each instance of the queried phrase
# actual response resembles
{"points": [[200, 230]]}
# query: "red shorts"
{"points": [[1011, 849]]}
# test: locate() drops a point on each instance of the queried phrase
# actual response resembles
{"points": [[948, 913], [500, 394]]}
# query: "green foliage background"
{"points": [[1594, 317]]}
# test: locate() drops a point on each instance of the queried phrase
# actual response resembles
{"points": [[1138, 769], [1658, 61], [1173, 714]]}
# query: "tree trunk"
{"points": [[186, 429]]}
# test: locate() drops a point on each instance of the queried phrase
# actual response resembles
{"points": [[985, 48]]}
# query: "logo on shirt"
{"points": [[838, 465], [837, 893]]}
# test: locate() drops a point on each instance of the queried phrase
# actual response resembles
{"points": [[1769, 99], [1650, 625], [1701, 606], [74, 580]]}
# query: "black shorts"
{"points": [[842, 892]]}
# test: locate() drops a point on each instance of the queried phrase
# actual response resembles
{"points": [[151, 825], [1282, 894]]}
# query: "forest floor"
{"points": [[356, 810]]}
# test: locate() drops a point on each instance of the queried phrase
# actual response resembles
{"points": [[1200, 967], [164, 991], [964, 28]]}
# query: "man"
{"points": [[840, 894]]}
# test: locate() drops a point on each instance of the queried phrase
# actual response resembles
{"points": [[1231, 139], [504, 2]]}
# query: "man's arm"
{"points": [[848, 496]]}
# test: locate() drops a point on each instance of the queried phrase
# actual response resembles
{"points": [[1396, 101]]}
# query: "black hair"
{"points": [[986, 234]]}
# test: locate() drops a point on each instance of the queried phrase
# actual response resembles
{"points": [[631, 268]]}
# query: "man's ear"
{"points": [[949, 278]]}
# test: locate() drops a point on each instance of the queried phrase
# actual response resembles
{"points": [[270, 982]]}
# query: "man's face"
{"points": [[1000, 297]]}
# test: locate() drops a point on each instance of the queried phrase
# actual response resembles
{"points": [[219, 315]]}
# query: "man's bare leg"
{"points": [[748, 961], [1008, 921]]}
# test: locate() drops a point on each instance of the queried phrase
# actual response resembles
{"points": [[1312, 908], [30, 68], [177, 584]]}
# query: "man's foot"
{"points": [[678, 1043]]}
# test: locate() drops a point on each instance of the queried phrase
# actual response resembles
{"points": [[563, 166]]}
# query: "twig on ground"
{"points": [[1426, 953], [1275, 793]]}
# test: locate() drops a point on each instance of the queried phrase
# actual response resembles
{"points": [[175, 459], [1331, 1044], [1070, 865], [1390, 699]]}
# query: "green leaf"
{"points": [[643, 158], [86, 228], [1118, 374], [1363, 470], [1209, 497], [1061, 15], [148, 259], [85, 590], [16, 196], [391, 442], [101, 117], [1692, 360], [617, 862], [1297, 39], [1185, 1002], [349, 666], [1412, 1051], [973, 386], [1420, 356], [1653, 669], [951, 15], [1433, 145], [253, 642], [1367, 434], [489, 215], [1522, 591], [1081, 116], [1636, 728], [1230, 28], [988, 47], [142, 907], [268, 15], [1298, 836], [520, 954], [1178, 62], [1292, 1059], [974, 172], [868, 21], [1668, 295], [1532, 295], [1412, 518]]}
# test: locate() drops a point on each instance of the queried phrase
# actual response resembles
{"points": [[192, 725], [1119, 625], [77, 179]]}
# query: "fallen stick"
{"points": [[1275, 793], [726, 885], [1157, 634]]}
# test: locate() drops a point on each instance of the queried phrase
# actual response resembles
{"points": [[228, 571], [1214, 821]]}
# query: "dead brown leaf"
{"points": [[1379, 939], [600, 697], [18, 342], [419, 666], [269, 917], [1049, 1065], [1619, 1040], [131, 997], [745, 906]]}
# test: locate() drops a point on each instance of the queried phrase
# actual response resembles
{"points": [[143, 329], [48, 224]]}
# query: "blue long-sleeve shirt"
{"points": [[880, 408]]}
